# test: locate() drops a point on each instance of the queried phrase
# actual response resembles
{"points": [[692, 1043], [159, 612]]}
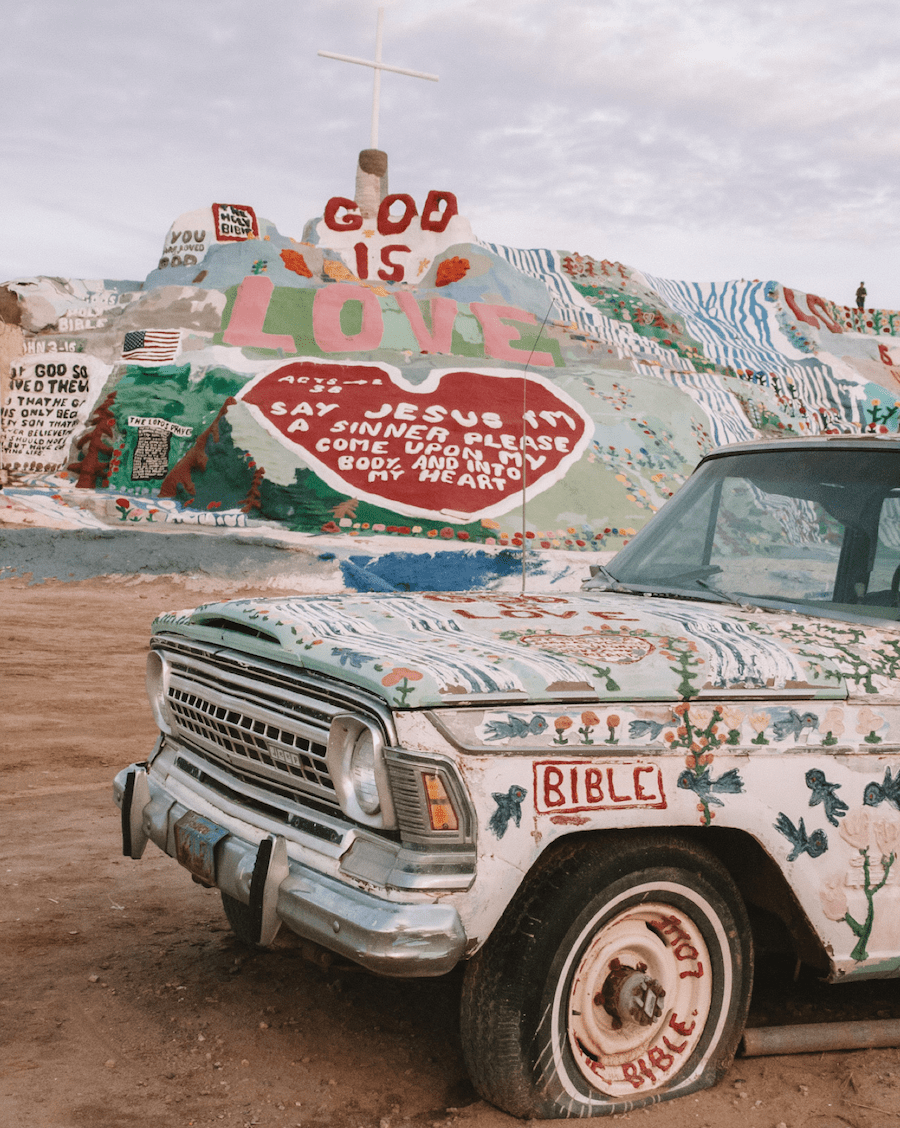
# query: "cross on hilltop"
{"points": [[378, 66]]}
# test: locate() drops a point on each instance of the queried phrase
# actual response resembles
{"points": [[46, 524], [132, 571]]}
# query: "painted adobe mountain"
{"points": [[391, 373]]}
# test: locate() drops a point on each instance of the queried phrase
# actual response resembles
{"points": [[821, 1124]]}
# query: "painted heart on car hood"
{"points": [[423, 650]]}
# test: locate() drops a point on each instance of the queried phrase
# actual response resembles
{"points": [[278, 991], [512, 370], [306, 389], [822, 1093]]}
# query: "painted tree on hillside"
{"points": [[252, 500], [93, 466], [181, 475]]}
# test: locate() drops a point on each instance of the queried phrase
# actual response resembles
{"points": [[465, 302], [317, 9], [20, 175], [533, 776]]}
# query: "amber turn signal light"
{"points": [[441, 814]]}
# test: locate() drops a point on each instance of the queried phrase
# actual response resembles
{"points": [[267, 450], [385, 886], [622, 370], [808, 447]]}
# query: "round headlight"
{"points": [[157, 682], [354, 756], [362, 773]]}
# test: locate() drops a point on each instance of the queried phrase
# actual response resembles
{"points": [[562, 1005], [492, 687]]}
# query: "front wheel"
{"points": [[619, 976]]}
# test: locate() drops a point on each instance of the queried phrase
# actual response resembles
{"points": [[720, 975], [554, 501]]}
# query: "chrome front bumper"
{"points": [[390, 937]]}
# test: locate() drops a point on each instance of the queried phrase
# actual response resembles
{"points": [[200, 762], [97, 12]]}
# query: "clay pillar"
{"points": [[371, 181]]}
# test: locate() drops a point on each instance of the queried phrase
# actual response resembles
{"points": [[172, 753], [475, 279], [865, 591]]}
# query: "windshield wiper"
{"points": [[698, 575], [727, 596], [603, 580]]}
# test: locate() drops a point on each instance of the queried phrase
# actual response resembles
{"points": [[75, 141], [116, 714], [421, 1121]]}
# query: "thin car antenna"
{"points": [[524, 456]]}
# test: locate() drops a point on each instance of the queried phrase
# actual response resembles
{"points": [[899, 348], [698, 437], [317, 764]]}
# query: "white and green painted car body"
{"points": [[387, 774]]}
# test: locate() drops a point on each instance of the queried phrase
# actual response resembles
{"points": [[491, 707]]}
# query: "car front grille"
{"points": [[264, 722], [237, 732]]}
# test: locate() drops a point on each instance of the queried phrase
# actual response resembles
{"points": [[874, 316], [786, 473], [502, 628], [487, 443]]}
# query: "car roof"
{"points": [[867, 441]]}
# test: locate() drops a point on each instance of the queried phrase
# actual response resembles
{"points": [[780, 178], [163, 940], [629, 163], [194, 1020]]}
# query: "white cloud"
{"points": [[701, 139]]}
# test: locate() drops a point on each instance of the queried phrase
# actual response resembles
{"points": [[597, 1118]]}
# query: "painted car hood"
{"points": [[429, 649]]}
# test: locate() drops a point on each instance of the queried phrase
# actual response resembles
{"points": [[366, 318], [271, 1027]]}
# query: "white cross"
{"points": [[378, 66]]}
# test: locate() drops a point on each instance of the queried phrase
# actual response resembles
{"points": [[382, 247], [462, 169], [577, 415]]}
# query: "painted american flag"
{"points": [[156, 346]]}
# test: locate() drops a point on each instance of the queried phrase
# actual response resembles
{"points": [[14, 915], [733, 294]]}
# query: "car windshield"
{"points": [[816, 527]]}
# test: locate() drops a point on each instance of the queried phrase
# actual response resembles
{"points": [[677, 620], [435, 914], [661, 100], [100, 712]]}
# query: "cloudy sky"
{"points": [[695, 139]]}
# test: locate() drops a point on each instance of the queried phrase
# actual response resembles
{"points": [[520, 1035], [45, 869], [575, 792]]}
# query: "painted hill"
{"points": [[390, 374]]}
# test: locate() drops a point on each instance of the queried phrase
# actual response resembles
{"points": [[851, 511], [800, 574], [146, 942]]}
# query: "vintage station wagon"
{"points": [[586, 797]]}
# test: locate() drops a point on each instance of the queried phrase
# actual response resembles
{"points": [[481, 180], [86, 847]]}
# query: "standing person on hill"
{"points": [[861, 296]]}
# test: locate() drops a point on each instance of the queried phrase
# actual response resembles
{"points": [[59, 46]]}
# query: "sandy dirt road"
{"points": [[124, 999]]}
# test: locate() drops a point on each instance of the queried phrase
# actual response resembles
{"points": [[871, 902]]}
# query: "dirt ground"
{"points": [[124, 999]]}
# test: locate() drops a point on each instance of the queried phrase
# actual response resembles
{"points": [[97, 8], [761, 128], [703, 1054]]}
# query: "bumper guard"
{"points": [[392, 938]]}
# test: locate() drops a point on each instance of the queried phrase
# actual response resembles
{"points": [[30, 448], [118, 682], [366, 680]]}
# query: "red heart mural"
{"points": [[449, 448]]}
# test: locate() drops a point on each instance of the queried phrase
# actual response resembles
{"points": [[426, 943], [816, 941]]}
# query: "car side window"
{"points": [[769, 544], [882, 583]]}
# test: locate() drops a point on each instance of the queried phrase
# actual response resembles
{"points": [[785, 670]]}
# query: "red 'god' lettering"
{"points": [[440, 208]]}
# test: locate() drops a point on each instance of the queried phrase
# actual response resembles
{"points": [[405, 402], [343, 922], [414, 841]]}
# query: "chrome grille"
{"points": [[241, 734], [263, 721]]}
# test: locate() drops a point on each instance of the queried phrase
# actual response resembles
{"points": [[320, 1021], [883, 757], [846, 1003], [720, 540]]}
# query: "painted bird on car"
{"points": [[509, 806], [813, 844], [889, 789], [788, 722], [704, 785], [515, 726], [824, 792]]}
